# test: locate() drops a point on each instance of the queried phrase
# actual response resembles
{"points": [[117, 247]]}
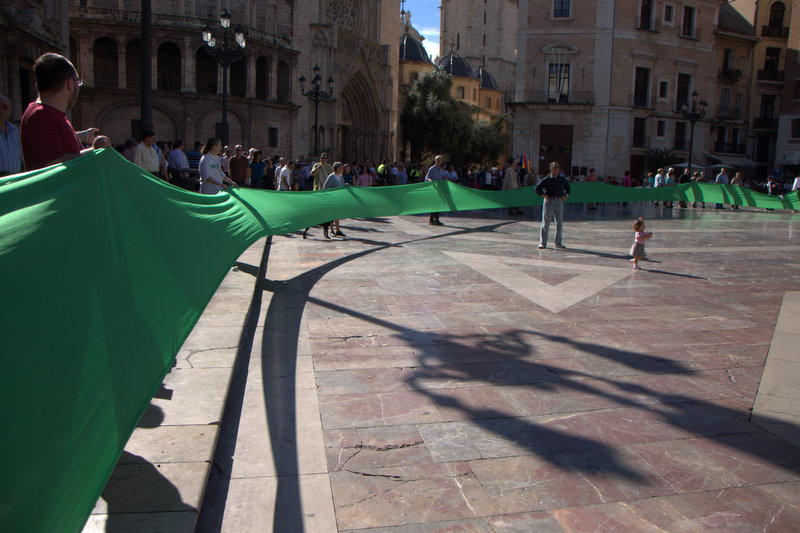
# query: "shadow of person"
{"points": [[138, 496]]}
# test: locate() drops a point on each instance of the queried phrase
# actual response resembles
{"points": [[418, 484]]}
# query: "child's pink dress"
{"points": [[637, 250]]}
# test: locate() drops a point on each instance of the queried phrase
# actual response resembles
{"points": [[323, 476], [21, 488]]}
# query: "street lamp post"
{"points": [[316, 95], [225, 55], [697, 112]]}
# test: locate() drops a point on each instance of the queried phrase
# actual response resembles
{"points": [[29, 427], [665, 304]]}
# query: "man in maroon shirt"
{"points": [[46, 134], [239, 167]]}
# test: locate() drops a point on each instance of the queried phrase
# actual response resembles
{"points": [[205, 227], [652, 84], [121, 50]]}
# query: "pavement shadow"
{"points": [[499, 360], [136, 485], [474, 363]]}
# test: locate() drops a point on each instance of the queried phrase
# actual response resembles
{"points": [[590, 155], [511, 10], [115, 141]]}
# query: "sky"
{"points": [[425, 19]]}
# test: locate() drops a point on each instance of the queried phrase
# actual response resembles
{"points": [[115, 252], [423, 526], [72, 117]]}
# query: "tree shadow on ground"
{"points": [[475, 362]]}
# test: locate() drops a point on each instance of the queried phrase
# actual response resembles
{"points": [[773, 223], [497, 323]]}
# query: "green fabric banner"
{"points": [[105, 270]]}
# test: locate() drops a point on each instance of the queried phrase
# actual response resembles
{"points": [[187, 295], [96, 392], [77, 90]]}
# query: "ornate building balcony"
{"points": [[765, 123], [770, 75], [729, 113], [545, 97]]}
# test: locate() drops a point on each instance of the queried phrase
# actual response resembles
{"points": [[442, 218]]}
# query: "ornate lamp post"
{"points": [[697, 112], [316, 95], [225, 55]]}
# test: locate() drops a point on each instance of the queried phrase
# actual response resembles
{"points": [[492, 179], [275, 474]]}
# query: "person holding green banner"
{"points": [[436, 173]]}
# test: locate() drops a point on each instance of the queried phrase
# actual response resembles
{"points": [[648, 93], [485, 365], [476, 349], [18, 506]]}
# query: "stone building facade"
{"points": [[484, 33], [601, 84], [27, 30], [353, 41], [788, 142], [730, 118]]}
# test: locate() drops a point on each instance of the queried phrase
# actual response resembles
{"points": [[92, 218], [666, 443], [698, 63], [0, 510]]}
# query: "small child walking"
{"points": [[637, 250]]}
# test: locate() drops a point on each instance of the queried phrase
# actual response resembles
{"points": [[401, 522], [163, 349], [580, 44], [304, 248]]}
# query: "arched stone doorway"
{"points": [[361, 122]]}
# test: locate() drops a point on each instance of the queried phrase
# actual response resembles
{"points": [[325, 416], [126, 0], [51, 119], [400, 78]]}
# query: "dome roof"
{"points": [[455, 65], [487, 80], [412, 50]]}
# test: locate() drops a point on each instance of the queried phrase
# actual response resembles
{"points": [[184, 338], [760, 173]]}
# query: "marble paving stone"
{"points": [[138, 486], [541, 522], [367, 410], [368, 380], [607, 517], [197, 397], [756, 458], [543, 482], [284, 436], [171, 444], [477, 525], [212, 337], [301, 503], [180, 522], [603, 428], [735, 509], [199, 358], [406, 495], [367, 448]]}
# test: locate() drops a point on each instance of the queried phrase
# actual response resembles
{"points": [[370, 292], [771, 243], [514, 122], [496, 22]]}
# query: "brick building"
{"points": [[354, 41]]}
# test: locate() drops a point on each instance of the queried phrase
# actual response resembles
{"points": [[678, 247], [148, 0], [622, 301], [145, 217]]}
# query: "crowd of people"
{"points": [[46, 136]]}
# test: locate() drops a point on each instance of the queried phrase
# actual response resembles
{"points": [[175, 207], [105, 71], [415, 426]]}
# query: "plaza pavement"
{"points": [[412, 378]]}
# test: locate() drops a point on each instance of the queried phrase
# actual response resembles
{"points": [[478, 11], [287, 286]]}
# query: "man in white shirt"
{"points": [[285, 177], [145, 154], [722, 179]]}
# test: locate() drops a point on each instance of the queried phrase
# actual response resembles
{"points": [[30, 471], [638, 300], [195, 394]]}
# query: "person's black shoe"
{"points": [[305, 233], [561, 246], [339, 234], [542, 246]]}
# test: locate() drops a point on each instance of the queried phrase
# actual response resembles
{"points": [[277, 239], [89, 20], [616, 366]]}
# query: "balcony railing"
{"points": [[770, 75], [729, 113], [730, 75], [729, 148], [765, 123], [775, 31], [544, 97]]}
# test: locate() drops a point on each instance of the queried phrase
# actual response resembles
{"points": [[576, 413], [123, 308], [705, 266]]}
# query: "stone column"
{"points": [[251, 59], [189, 66], [85, 64], [122, 66], [273, 78]]}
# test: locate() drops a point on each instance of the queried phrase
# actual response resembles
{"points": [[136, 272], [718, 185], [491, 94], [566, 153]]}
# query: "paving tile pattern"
{"points": [[451, 400], [412, 379]]}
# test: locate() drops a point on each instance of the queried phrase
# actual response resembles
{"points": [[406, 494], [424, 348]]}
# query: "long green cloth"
{"points": [[105, 270]]}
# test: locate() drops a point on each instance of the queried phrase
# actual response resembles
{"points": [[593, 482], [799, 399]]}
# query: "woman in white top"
{"points": [[335, 180], [212, 179]]}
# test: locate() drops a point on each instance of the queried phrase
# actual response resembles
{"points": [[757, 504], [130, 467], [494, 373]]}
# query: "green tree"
{"points": [[488, 142], [435, 122], [660, 158]]}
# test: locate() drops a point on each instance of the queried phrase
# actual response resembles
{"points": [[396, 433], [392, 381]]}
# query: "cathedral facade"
{"points": [[354, 42]]}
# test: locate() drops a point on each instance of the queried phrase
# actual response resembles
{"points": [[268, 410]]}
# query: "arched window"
{"points": [[238, 80], [206, 72], [169, 67], [263, 67], [776, 12], [133, 65], [106, 70], [284, 85]]}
